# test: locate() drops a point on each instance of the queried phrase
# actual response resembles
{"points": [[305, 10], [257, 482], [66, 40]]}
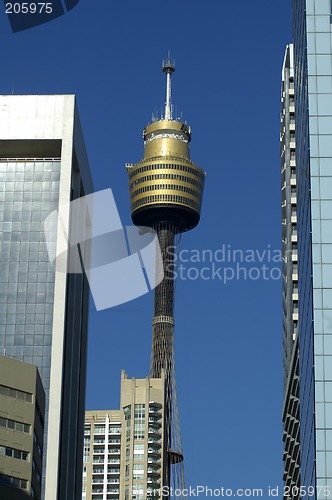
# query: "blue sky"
{"points": [[228, 337]]}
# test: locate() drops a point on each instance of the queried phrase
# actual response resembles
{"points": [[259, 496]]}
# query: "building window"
{"points": [[14, 481], [13, 424], [15, 393], [138, 451], [114, 429], [7, 451], [86, 454], [99, 429]]}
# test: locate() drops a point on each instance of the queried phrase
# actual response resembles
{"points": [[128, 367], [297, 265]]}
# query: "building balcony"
{"points": [[153, 483], [155, 421], [155, 411], [153, 451], [114, 451], [113, 461], [99, 430], [154, 432], [154, 470], [154, 442], [154, 475], [97, 490], [152, 495]]}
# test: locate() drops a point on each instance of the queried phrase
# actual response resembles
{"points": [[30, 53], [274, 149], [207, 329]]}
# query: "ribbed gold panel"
{"points": [[168, 181]]}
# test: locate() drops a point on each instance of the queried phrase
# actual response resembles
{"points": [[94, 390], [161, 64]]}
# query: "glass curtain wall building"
{"points": [[43, 165], [312, 35]]}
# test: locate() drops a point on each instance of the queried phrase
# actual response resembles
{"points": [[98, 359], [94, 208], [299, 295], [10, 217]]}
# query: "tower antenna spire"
{"points": [[168, 68]]}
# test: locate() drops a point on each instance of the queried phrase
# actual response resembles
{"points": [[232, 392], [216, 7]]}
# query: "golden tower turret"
{"points": [[166, 185]]}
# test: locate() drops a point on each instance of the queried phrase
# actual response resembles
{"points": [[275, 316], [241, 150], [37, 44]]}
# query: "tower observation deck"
{"points": [[166, 190]]}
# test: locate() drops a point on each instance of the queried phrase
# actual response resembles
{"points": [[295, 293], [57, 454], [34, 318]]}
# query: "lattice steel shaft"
{"points": [[163, 321], [162, 356]]}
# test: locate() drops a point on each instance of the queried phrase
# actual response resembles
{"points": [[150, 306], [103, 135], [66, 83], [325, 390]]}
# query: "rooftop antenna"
{"points": [[155, 115], [168, 68]]}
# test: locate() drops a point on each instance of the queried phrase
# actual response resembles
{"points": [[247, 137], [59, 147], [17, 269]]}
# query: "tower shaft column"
{"points": [[163, 320], [162, 354]]}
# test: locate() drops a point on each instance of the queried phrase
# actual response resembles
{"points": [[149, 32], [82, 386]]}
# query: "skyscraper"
{"points": [[43, 166], [124, 449], [291, 436], [313, 137]]}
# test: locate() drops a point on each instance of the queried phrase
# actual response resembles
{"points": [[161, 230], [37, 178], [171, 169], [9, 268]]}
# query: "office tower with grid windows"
{"points": [[43, 166], [124, 449], [22, 409], [312, 35]]}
